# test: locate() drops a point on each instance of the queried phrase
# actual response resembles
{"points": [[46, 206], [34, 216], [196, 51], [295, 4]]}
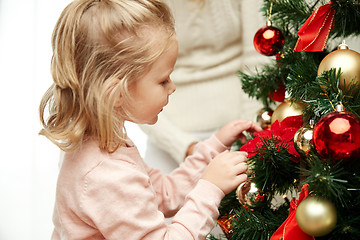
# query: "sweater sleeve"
{"points": [[169, 137], [119, 199], [171, 189], [130, 210]]}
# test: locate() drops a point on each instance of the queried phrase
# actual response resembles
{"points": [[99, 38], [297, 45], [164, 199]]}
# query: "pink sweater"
{"points": [[117, 196]]}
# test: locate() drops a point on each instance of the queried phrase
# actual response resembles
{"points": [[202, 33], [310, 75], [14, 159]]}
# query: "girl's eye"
{"points": [[164, 82]]}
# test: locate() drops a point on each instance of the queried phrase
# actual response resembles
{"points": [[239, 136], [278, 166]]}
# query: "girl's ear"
{"points": [[113, 93], [119, 102]]}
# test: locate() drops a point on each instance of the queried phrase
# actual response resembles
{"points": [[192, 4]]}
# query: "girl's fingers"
{"points": [[241, 178], [243, 125], [248, 126], [254, 128], [240, 168], [242, 156]]}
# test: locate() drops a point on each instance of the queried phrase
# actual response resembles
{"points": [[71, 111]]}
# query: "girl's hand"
{"points": [[232, 131], [227, 170]]}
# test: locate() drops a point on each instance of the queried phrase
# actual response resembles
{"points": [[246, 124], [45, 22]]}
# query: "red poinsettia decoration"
{"points": [[281, 132]]}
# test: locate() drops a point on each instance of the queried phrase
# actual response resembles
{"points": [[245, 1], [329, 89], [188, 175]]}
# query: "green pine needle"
{"points": [[274, 171]]}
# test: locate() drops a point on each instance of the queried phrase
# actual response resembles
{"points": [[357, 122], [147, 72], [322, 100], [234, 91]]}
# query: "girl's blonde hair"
{"points": [[99, 49]]}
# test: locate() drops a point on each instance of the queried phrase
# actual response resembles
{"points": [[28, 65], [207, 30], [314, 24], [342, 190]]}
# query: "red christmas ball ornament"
{"points": [[278, 94], [269, 40], [337, 136]]}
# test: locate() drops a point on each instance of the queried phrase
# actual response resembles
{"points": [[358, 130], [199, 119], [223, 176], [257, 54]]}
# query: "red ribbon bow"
{"points": [[314, 33], [290, 230]]}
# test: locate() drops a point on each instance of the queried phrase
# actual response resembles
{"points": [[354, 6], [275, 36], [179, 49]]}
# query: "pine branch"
{"points": [[327, 179], [323, 94], [347, 18], [302, 74], [261, 84], [348, 226], [339, 182], [274, 170], [288, 15], [228, 203], [250, 225]]}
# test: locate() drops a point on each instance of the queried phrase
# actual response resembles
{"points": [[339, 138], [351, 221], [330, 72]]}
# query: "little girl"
{"points": [[111, 63]]}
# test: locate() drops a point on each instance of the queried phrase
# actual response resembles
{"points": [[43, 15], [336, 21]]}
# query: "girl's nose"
{"points": [[172, 87]]}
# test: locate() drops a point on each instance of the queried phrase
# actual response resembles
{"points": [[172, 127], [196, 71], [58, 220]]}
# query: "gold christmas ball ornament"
{"points": [[316, 216], [263, 117], [303, 138], [349, 62], [245, 191], [287, 109], [241, 192]]}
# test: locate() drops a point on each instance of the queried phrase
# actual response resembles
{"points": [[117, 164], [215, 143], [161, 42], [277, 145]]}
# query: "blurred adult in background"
{"points": [[215, 41]]}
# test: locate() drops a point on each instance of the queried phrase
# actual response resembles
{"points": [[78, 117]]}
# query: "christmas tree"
{"points": [[304, 167]]}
